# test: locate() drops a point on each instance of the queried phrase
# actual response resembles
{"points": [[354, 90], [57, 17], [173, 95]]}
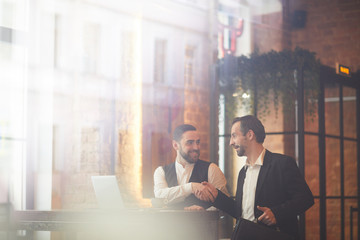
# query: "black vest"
{"points": [[199, 174]]}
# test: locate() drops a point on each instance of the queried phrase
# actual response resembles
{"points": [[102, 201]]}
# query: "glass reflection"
{"points": [[333, 219], [333, 180], [350, 168], [349, 104], [312, 163], [332, 110]]}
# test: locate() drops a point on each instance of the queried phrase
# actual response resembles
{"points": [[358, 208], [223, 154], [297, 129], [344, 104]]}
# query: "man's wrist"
{"points": [[193, 187], [216, 194]]}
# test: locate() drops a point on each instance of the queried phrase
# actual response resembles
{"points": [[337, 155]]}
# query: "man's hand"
{"points": [[267, 217], [202, 192], [194, 208], [206, 192]]}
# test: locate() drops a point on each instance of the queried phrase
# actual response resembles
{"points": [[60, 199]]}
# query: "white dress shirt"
{"points": [[179, 193], [249, 187]]}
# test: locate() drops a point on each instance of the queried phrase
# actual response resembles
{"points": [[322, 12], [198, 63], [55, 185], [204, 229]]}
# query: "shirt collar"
{"points": [[180, 159], [259, 161]]}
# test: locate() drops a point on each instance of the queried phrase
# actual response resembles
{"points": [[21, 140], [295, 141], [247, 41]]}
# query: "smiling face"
{"points": [[238, 140], [189, 146]]}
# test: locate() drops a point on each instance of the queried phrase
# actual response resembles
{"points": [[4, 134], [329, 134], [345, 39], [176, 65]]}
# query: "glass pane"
{"points": [[312, 163], [333, 219], [311, 120], [11, 172], [332, 167], [12, 100], [279, 121], [350, 165], [312, 222], [233, 164], [275, 143], [349, 102], [280, 143], [348, 204], [332, 110]]}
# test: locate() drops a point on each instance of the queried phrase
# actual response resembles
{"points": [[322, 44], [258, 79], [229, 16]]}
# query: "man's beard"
{"points": [[240, 150], [188, 157]]}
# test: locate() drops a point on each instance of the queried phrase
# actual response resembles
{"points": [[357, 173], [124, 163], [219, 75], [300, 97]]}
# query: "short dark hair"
{"points": [[250, 122], [179, 131]]}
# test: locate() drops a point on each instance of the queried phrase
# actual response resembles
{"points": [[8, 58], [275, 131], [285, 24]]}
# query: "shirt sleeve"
{"points": [[171, 194], [217, 178]]}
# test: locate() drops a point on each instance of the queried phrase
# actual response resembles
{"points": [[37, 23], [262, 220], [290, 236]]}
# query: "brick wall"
{"points": [[331, 30], [197, 113], [268, 33]]}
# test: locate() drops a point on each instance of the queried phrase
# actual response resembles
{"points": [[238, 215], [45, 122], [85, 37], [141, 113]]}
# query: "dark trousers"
{"points": [[247, 230]]}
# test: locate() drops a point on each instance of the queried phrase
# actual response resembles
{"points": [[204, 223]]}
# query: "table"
{"points": [[125, 224]]}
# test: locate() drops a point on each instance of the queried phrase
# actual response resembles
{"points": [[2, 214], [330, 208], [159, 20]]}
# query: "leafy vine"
{"points": [[270, 78]]}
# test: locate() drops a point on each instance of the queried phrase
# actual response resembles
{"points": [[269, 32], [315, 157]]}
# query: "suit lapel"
{"points": [[262, 174], [239, 193]]}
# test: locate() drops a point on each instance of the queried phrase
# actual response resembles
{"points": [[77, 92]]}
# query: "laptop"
{"points": [[107, 192]]}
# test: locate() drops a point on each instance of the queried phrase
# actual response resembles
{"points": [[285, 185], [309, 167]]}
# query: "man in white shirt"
{"points": [[178, 181], [270, 190]]}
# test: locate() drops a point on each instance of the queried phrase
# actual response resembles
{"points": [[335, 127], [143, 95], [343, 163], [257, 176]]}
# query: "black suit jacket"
{"points": [[280, 187]]}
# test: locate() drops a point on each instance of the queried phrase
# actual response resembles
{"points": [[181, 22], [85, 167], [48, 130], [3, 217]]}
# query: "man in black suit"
{"points": [[270, 191]]}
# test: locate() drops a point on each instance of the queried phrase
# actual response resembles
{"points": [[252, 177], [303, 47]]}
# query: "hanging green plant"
{"points": [[270, 79]]}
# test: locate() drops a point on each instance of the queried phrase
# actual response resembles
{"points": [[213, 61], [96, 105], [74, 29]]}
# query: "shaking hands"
{"points": [[204, 191]]}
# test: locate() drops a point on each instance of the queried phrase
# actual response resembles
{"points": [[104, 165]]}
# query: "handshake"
{"points": [[204, 191]]}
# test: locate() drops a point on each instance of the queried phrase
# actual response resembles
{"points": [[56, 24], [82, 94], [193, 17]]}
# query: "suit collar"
{"points": [[263, 173], [259, 161]]}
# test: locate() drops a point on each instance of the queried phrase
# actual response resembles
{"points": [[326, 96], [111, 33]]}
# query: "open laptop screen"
{"points": [[107, 192]]}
